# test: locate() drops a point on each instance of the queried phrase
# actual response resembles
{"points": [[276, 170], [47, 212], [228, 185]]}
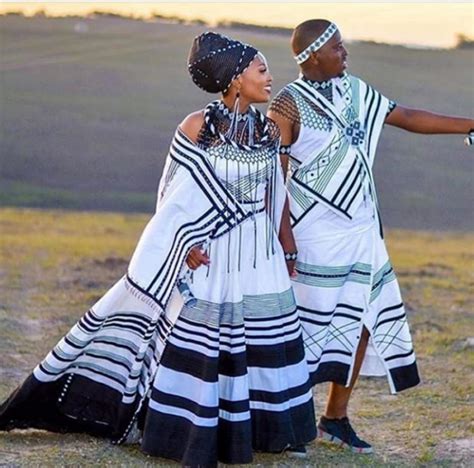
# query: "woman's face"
{"points": [[256, 81]]}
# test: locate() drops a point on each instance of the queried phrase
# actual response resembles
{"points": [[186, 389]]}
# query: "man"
{"points": [[347, 293]]}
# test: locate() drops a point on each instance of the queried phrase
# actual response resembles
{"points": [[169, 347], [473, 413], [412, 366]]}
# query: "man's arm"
{"points": [[420, 121], [285, 235], [286, 131]]}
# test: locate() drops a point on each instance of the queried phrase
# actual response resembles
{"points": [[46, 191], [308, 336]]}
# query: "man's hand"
{"points": [[196, 258]]}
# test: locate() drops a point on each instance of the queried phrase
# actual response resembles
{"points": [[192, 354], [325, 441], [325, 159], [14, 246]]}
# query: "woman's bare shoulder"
{"points": [[192, 124]]}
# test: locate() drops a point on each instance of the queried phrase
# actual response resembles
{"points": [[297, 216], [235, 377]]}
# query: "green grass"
{"points": [[34, 196], [57, 263]]}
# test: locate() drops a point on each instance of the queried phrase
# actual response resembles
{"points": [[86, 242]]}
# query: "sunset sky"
{"points": [[424, 24]]}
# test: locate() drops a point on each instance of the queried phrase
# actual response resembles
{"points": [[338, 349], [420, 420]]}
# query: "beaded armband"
{"points": [[291, 256], [285, 149]]}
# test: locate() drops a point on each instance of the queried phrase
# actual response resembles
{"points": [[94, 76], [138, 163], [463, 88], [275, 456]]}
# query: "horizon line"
{"points": [[42, 12]]}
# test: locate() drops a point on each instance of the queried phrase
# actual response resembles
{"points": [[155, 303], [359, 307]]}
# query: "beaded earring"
{"points": [[233, 127]]}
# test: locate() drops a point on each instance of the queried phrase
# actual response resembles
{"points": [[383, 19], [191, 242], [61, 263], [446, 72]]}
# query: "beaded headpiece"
{"points": [[316, 44], [216, 60]]}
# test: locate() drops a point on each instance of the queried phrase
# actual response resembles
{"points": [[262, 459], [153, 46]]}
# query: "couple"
{"points": [[200, 351]]}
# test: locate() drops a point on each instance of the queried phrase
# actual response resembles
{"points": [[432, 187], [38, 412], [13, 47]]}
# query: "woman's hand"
{"points": [[196, 258], [291, 265]]}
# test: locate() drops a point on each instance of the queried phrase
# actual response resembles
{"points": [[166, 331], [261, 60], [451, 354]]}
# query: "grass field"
{"points": [[55, 264], [87, 117]]}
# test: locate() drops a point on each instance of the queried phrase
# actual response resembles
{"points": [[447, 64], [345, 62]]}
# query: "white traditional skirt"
{"points": [[346, 282], [233, 376]]}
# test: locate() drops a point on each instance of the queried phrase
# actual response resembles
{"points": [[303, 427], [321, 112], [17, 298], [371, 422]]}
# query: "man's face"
{"points": [[332, 57]]}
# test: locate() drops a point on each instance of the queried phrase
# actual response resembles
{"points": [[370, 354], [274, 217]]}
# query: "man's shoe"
{"points": [[340, 432], [297, 451]]}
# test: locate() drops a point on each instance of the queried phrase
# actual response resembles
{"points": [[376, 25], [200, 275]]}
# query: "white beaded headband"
{"points": [[317, 44]]}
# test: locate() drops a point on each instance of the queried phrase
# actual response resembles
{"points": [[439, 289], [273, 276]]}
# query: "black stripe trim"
{"points": [[238, 406], [124, 321], [314, 322], [297, 220], [398, 356], [344, 181], [322, 198], [281, 396], [393, 319], [59, 358], [357, 192], [353, 182], [340, 314], [179, 239], [388, 309], [124, 327], [340, 305], [107, 358], [184, 403], [82, 324], [73, 345], [145, 320], [273, 327], [168, 282], [117, 345]]}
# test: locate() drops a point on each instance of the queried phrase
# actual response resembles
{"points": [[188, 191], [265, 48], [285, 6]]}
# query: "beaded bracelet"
{"points": [[291, 256], [469, 140]]}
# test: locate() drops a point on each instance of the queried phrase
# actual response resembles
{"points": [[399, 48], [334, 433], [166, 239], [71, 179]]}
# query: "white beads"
{"points": [[64, 390], [316, 44]]}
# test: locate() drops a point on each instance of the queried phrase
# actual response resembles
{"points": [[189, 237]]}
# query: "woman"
{"points": [[207, 361]]}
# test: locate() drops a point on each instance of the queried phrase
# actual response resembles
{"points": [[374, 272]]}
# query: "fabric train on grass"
{"points": [[208, 375]]}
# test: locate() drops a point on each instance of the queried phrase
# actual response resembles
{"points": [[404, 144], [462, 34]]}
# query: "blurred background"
{"points": [[91, 94]]}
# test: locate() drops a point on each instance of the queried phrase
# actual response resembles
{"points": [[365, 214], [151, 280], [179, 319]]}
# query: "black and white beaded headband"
{"points": [[316, 44], [218, 51]]}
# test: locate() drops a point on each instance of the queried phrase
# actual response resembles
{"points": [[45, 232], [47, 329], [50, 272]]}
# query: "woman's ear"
{"points": [[235, 86], [238, 82]]}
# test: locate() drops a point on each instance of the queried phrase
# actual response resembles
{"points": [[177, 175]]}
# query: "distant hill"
{"points": [[464, 42], [89, 107]]}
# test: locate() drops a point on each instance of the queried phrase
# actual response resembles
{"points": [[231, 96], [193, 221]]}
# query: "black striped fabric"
{"points": [[336, 302], [222, 391], [343, 193], [220, 213], [96, 376], [117, 344], [206, 383]]}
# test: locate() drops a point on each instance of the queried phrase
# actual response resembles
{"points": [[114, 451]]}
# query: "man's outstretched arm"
{"points": [[420, 121]]}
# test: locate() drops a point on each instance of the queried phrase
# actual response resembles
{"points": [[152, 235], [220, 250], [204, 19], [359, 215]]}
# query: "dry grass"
{"points": [[55, 264]]}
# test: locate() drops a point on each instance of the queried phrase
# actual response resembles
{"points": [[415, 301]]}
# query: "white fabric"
{"points": [[331, 169], [345, 280]]}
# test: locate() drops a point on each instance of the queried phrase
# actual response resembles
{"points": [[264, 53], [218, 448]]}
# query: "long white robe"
{"points": [[345, 280]]}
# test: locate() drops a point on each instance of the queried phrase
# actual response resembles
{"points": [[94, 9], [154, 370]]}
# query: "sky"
{"points": [[432, 24]]}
